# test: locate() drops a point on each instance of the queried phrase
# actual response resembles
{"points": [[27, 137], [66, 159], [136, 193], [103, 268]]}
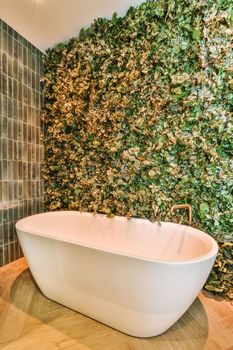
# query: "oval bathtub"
{"points": [[133, 275]]}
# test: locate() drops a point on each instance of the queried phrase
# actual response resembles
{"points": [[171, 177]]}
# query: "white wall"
{"points": [[47, 22]]}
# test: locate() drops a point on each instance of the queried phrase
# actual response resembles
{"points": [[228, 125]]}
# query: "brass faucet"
{"points": [[184, 206]]}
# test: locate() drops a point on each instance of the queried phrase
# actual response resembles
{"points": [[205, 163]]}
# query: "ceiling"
{"points": [[47, 22]]}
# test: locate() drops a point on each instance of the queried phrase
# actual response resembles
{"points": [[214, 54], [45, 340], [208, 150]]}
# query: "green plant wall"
{"points": [[138, 117]]}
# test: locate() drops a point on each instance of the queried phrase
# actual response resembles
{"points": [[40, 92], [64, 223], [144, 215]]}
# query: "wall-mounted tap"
{"points": [[184, 206]]}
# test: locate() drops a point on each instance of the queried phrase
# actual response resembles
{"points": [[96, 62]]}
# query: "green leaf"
{"points": [[114, 18], [230, 16], [154, 48], [196, 35], [204, 207], [213, 289], [77, 191], [55, 167]]}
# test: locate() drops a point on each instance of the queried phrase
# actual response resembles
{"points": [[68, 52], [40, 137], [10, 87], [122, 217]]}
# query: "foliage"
{"points": [[138, 115], [220, 280]]}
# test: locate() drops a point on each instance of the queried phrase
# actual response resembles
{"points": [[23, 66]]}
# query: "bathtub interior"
{"points": [[136, 237]]}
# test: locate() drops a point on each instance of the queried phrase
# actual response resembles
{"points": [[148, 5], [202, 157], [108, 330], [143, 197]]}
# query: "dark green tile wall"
{"points": [[21, 151]]}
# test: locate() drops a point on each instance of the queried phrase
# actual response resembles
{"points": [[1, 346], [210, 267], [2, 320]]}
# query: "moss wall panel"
{"points": [[138, 115]]}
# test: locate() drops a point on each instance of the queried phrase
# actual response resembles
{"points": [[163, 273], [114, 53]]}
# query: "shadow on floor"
{"points": [[190, 332]]}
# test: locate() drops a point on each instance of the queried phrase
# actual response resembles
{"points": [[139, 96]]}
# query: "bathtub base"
{"points": [[115, 316]]}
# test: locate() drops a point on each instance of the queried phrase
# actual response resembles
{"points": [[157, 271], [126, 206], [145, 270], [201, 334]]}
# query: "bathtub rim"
{"points": [[211, 254]]}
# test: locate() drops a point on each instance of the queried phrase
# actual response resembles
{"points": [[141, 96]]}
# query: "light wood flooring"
{"points": [[29, 321]]}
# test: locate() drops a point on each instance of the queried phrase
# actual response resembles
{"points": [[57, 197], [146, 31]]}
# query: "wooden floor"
{"points": [[29, 321]]}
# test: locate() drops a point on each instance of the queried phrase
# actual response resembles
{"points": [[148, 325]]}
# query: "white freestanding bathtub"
{"points": [[133, 275]]}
